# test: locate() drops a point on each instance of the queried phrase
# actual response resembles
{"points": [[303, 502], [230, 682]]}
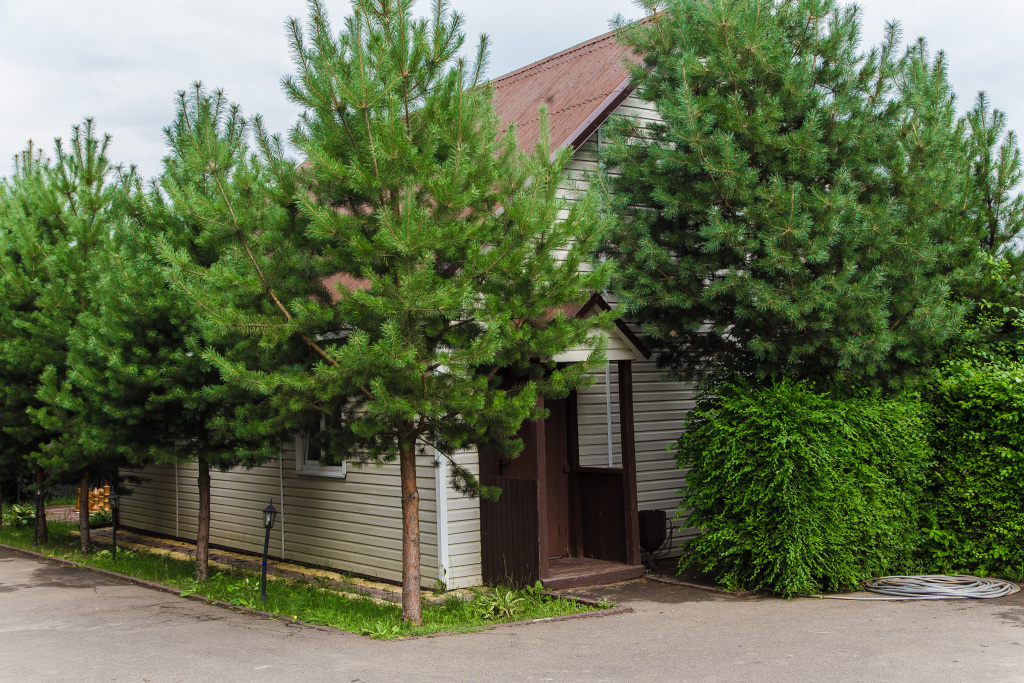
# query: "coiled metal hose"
{"points": [[934, 587]]}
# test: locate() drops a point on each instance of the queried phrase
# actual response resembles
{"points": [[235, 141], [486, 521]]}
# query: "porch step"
{"points": [[576, 572]]}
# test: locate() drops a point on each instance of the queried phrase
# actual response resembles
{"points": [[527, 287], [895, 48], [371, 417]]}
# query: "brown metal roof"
{"points": [[335, 283], [580, 86]]}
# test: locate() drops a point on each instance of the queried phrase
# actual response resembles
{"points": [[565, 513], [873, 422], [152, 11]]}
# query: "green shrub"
{"points": [[798, 493], [975, 508], [101, 518], [19, 515]]}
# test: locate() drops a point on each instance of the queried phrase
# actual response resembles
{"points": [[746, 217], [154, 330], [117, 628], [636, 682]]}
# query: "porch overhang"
{"points": [[622, 342]]}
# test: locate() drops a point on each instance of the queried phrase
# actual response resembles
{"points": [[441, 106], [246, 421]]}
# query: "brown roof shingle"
{"points": [[580, 86]]}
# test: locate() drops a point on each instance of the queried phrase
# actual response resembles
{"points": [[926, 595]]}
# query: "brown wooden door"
{"points": [[557, 466]]}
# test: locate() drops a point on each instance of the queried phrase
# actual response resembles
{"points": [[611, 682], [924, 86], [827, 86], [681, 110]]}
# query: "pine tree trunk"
{"points": [[41, 506], [203, 533], [83, 514], [411, 607]]}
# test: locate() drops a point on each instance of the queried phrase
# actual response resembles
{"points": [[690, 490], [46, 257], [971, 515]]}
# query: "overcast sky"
{"points": [[121, 61]]}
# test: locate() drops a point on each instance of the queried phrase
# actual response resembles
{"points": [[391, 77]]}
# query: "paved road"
{"points": [[62, 624]]}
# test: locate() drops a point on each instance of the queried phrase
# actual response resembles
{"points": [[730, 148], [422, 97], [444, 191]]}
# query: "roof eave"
{"points": [[598, 301], [599, 116]]}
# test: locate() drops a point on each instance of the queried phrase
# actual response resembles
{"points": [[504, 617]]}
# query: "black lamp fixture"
{"points": [[114, 500], [269, 516]]}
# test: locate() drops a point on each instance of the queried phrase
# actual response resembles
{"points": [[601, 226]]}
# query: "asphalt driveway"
{"points": [[60, 623]]}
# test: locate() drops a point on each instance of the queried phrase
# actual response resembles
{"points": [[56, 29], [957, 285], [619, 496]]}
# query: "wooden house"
{"points": [[569, 509]]}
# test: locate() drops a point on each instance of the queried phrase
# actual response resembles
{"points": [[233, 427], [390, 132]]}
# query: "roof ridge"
{"points": [[557, 55]]}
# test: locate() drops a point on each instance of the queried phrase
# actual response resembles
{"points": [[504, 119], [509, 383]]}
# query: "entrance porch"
{"points": [[558, 521]]}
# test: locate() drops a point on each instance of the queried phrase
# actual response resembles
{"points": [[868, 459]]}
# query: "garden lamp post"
{"points": [[115, 501], [39, 514], [269, 514]]}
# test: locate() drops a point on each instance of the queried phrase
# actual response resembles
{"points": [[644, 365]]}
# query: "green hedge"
{"points": [[798, 493], [975, 501]]}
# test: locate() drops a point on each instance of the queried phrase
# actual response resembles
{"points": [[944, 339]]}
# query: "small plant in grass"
{"points": [[19, 515], [101, 518], [242, 591], [383, 630], [536, 593], [501, 605]]}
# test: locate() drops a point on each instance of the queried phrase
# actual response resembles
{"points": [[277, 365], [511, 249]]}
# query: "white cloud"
{"points": [[122, 62]]}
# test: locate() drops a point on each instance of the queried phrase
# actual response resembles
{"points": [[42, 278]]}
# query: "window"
{"points": [[310, 456]]}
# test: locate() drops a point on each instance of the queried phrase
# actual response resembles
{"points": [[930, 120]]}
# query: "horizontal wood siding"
{"points": [[659, 409], [592, 420], [150, 503], [584, 159], [351, 524], [464, 530]]}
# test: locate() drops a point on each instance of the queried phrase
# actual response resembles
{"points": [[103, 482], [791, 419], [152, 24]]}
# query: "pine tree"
{"points": [[996, 175], [421, 255], [995, 329], [138, 353], [57, 219], [799, 209], [22, 200]]}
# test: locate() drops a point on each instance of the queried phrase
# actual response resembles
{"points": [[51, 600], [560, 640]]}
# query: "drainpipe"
{"points": [[280, 475], [444, 562], [177, 503]]}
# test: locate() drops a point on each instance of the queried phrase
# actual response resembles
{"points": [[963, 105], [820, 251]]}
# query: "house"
{"points": [[570, 502]]}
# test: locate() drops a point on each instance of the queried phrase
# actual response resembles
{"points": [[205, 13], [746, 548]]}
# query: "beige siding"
{"points": [[352, 524], [659, 409], [591, 412], [152, 503], [464, 531], [584, 160]]}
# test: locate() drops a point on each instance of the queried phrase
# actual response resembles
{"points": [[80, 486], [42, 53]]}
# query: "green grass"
{"points": [[70, 499], [313, 603]]}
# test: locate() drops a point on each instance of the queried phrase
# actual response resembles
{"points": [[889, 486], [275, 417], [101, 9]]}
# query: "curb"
{"points": [[711, 589], [624, 609]]}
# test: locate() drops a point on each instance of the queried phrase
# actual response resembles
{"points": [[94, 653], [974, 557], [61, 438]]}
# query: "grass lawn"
{"points": [[70, 499], [314, 603]]}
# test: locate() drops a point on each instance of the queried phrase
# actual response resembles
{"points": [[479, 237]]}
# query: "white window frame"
{"points": [[313, 468]]}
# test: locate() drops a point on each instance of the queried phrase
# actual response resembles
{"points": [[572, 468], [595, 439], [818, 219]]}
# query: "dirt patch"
{"points": [[62, 513]]}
